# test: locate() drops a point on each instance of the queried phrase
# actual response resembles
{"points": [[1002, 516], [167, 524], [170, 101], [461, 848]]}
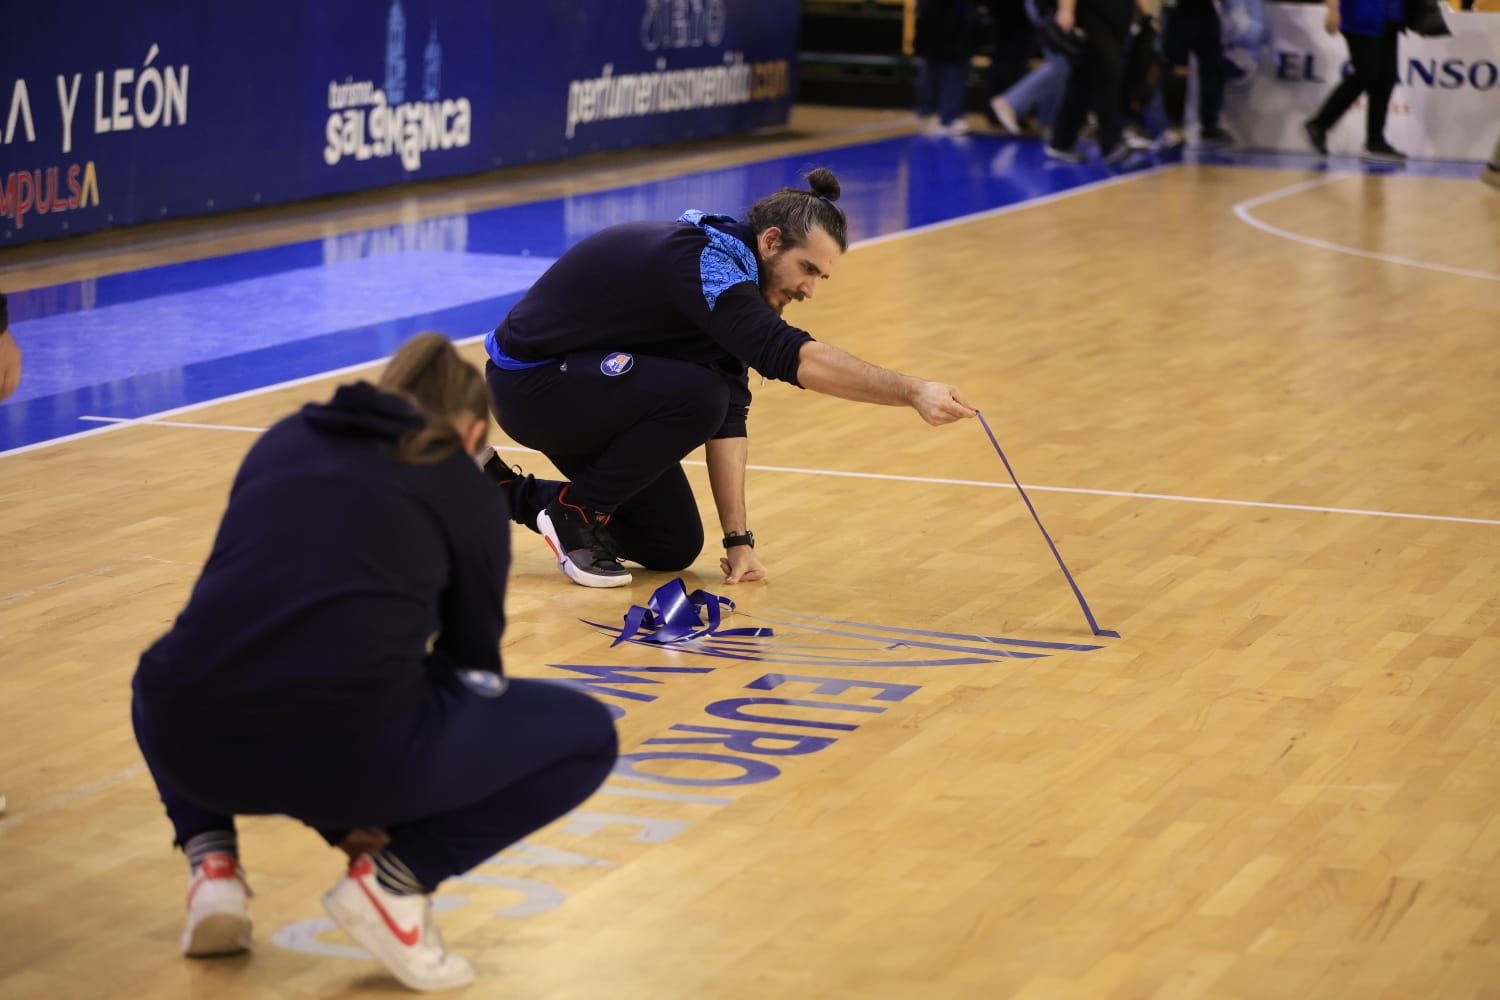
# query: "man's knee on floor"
{"points": [[671, 555]]}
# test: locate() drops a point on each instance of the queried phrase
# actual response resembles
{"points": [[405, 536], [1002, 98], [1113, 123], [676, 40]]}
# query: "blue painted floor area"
{"points": [[140, 343], [74, 350]]}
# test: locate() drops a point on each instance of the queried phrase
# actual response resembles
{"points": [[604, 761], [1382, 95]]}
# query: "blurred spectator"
{"points": [[1141, 81], [1370, 28], [1008, 40], [1192, 28], [1039, 90], [1098, 29], [944, 44]]}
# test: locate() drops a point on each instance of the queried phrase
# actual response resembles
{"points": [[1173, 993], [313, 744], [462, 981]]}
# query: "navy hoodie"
{"points": [[342, 581], [687, 289]]}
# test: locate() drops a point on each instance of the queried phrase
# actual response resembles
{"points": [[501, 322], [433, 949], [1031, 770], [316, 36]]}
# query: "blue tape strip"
{"points": [[674, 615], [1055, 554]]}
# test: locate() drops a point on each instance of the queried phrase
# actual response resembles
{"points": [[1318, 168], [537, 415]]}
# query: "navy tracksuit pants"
{"points": [[453, 781], [620, 440]]}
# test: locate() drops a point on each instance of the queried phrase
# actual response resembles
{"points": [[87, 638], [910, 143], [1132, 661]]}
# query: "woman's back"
{"points": [[335, 567]]}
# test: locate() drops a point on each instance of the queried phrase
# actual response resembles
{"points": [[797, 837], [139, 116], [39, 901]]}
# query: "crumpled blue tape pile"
{"points": [[674, 615]]}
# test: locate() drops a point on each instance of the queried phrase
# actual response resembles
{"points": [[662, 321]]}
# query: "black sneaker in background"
{"points": [[579, 538], [1318, 136], [1216, 137], [1382, 152]]}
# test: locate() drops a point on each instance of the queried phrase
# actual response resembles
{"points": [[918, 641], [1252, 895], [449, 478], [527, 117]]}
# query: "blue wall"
{"points": [[139, 112]]}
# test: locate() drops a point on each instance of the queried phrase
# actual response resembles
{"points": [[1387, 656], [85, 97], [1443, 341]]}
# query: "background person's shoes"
{"points": [[1382, 152], [1215, 138], [1317, 136], [1005, 114]]}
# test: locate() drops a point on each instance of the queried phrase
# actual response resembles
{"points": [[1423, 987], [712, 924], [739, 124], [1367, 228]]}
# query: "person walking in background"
{"points": [[1094, 83], [944, 46], [1370, 28], [1141, 80], [338, 662], [1191, 30], [1006, 33], [1041, 89]]}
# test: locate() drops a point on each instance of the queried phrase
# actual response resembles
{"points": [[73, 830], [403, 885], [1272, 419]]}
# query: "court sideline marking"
{"points": [[1263, 504], [1242, 211]]}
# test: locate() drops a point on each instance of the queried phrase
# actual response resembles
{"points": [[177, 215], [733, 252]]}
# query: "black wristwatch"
{"points": [[748, 538]]}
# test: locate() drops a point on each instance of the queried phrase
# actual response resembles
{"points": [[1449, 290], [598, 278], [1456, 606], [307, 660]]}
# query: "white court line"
{"points": [[146, 422], [1242, 210], [1264, 504], [67, 798]]}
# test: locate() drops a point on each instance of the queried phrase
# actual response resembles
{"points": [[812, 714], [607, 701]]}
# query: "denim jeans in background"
{"points": [[1041, 89], [940, 89]]}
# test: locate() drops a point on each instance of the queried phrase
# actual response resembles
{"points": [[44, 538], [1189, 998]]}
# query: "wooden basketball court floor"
{"points": [[1256, 408]]}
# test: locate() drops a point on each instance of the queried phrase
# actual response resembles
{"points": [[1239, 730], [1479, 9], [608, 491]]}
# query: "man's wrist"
{"points": [[739, 538]]}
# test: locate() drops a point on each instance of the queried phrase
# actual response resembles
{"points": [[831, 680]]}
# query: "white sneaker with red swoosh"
{"points": [[217, 921], [398, 930]]}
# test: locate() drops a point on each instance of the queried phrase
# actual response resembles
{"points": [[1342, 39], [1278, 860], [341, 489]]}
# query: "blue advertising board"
{"points": [[170, 108]]}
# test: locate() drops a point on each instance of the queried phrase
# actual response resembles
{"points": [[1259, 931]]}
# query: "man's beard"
{"points": [[766, 276]]}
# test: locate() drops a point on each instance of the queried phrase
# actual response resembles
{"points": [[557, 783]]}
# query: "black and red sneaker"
{"points": [[580, 540], [527, 495]]}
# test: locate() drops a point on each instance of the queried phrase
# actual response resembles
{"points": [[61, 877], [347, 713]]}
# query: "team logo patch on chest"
{"points": [[617, 364]]}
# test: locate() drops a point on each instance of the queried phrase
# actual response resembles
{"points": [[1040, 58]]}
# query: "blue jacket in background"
{"points": [[1371, 17]]}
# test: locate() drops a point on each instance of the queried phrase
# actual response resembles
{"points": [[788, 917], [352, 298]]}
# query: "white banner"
{"points": [[1446, 105]]}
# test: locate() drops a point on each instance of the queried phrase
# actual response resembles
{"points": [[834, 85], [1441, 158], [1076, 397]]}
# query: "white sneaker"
{"points": [[1005, 114], [217, 921], [398, 930]]}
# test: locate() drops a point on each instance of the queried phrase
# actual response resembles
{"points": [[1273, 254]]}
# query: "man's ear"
{"points": [[770, 241]]}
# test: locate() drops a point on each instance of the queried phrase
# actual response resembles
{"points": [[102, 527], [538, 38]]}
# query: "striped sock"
{"points": [[394, 876], [211, 842]]}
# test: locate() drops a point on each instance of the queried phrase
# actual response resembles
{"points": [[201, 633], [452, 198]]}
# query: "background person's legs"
{"points": [[1363, 54], [1381, 81]]}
